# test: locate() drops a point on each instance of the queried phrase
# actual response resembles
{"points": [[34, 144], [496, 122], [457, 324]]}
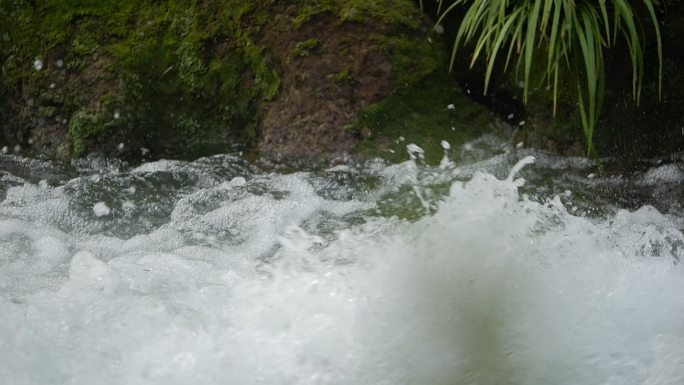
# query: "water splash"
{"points": [[215, 272]]}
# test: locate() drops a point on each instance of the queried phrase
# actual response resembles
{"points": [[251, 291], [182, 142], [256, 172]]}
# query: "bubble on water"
{"points": [[238, 181], [38, 64], [101, 209], [128, 206]]}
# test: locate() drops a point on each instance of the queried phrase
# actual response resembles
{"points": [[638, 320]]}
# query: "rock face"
{"points": [[331, 71], [190, 78]]}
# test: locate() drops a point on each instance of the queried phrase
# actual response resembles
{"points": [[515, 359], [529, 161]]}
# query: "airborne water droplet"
{"points": [[100, 209]]}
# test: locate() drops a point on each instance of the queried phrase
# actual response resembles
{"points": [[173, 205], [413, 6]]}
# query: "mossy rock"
{"points": [[187, 78]]}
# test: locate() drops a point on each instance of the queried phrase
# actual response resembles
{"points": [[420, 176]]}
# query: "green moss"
{"points": [[395, 13], [420, 114], [184, 68], [303, 48], [182, 72], [344, 76], [84, 125], [413, 58]]}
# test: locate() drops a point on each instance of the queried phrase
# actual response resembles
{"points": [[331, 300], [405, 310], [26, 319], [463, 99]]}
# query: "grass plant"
{"points": [[573, 33]]}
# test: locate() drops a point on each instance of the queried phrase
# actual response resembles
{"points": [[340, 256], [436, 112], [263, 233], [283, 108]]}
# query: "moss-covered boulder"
{"points": [[184, 78], [171, 77]]}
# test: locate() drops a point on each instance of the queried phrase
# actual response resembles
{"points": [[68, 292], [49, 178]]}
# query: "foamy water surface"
{"points": [[220, 271]]}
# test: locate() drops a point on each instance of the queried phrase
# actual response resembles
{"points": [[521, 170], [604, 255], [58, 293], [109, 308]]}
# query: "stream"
{"points": [[496, 266]]}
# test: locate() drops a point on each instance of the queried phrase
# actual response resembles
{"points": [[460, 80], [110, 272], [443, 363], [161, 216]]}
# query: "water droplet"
{"points": [[38, 64], [120, 147], [100, 209], [5, 150], [415, 151], [52, 85], [117, 115], [59, 63], [439, 29]]}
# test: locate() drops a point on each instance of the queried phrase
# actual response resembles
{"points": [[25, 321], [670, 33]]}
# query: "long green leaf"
{"points": [[529, 45], [654, 19], [503, 35]]}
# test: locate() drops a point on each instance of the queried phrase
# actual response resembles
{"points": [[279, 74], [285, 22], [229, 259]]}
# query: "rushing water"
{"points": [[221, 271]]}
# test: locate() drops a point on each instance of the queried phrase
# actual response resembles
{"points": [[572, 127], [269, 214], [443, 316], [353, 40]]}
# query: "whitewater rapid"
{"points": [[218, 271]]}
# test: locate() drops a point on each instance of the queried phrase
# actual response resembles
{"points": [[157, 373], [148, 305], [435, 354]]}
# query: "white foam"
{"points": [[669, 173], [100, 209], [85, 267], [244, 284]]}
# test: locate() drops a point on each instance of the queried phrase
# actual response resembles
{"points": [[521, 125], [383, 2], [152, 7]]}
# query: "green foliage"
{"points": [[574, 33]]}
